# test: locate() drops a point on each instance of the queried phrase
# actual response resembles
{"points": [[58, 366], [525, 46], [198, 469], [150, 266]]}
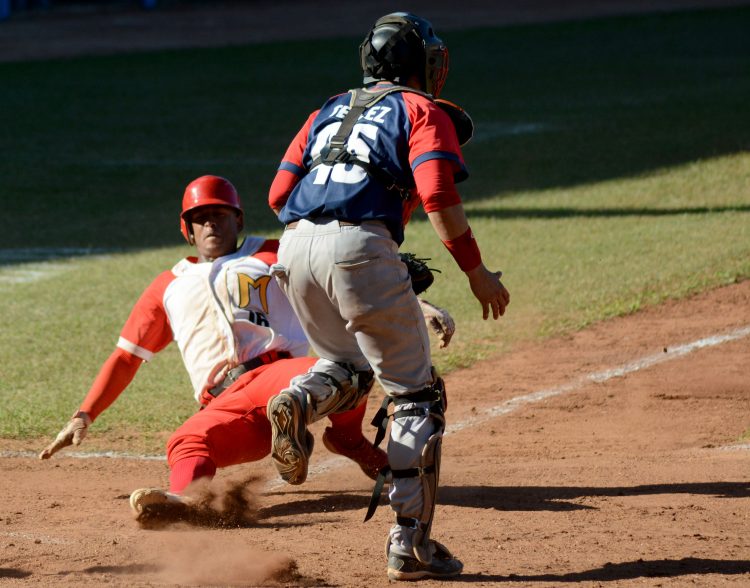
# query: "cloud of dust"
{"points": [[228, 502], [221, 558], [212, 555]]}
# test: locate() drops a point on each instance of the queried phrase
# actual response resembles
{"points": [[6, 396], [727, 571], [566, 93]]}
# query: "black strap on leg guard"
{"points": [[346, 394], [434, 394], [380, 421], [410, 523], [377, 491]]}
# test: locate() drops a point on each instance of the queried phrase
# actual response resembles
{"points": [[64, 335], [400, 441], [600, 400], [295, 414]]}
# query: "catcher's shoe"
{"points": [[369, 458], [291, 442], [443, 565], [143, 498]]}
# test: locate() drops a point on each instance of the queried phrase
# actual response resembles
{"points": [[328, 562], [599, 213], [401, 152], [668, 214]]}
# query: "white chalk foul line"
{"points": [[735, 447], [513, 404], [89, 455], [36, 538], [506, 407], [639, 364]]}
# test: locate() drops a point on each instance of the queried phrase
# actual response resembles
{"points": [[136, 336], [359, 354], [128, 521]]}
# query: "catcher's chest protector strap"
{"points": [[335, 151]]}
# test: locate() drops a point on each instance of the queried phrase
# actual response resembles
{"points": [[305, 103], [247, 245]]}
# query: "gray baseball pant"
{"points": [[353, 297]]}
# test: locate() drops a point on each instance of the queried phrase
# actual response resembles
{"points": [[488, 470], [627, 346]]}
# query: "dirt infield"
{"points": [[639, 479], [613, 457]]}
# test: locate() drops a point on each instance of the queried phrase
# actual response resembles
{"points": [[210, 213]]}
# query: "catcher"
{"points": [[240, 343], [345, 188]]}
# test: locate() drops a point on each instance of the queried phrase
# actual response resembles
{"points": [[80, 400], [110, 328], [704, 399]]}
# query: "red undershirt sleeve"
{"points": [[114, 376], [435, 188], [435, 185], [146, 332]]}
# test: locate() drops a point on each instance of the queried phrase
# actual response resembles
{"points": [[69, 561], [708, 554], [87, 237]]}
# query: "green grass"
{"points": [[578, 255], [609, 171]]}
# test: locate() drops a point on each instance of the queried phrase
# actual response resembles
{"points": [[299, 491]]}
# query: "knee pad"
{"points": [[434, 394], [330, 387]]}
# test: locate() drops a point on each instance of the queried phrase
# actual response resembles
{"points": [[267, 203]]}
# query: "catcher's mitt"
{"points": [[460, 118], [421, 275]]}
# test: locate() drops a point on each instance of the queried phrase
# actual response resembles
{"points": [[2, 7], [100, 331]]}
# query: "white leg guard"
{"points": [[414, 455], [329, 387]]}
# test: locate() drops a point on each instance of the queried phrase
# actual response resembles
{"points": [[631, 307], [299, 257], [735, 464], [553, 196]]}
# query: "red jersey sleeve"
{"points": [[292, 168], [268, 252], [432, 135], [147, 330], [434, 155]]}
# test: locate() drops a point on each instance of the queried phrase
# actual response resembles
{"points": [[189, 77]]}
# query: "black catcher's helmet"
{"points": [[401, 44]]}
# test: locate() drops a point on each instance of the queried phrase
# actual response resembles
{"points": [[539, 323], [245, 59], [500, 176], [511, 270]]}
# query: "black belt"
{"points": [[234, 374]]}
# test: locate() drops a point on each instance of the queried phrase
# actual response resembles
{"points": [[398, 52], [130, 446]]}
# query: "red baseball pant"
{"points": [[234, 428]]}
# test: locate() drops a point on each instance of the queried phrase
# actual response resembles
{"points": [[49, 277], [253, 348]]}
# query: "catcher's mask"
{"points": [[205, 191], [402, 44]]}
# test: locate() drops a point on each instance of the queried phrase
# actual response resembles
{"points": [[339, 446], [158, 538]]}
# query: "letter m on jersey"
{"points": [[248, 284]]}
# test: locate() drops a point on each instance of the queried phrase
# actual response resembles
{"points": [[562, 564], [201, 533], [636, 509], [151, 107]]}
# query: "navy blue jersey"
{"points": [[397, 134]]}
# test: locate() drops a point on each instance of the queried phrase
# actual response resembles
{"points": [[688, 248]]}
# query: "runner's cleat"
{"points": [[144, 498]]}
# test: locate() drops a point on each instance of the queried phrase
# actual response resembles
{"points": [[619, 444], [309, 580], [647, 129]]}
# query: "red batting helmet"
{"points": [[206, 191]]}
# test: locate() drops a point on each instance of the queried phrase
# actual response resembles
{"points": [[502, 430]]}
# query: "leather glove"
{"points": [[72, 434], [439, 320], [420, 274]]}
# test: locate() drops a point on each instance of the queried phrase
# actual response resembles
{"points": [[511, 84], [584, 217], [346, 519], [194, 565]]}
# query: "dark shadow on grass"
{"points": [[631, 570], [21, 255], [605, 99], [589, 102], [544, 498], [558, 213]]}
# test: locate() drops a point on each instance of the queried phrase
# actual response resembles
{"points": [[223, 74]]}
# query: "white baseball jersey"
{"points": [[220, 314]]}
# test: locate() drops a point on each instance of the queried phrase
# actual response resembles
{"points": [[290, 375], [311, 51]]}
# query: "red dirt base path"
{"points": [[641, 479]]}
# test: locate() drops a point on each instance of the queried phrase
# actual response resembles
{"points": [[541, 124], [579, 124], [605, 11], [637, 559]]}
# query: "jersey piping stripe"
{"points": [[291, 167], [126, 345], [460, 175]]}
